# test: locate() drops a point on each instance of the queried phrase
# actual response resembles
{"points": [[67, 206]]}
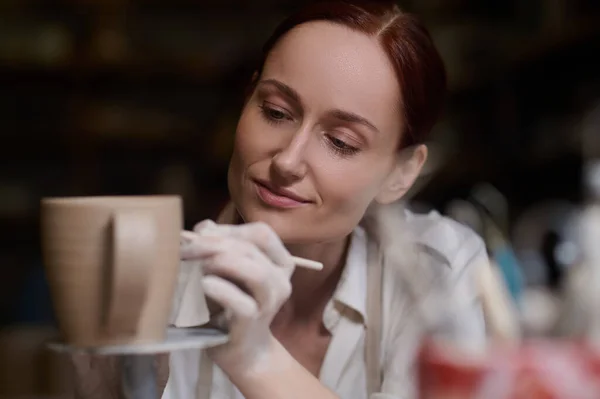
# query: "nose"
{"points": [[288, 165]]}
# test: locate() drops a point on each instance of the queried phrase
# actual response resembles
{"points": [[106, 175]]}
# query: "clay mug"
{"points": [[111, 265]]}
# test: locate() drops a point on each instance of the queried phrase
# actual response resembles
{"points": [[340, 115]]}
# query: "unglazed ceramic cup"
{"points": [[112, 265]]}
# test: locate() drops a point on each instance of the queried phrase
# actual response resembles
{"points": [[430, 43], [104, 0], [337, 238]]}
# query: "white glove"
{"points": [[246, 271]]}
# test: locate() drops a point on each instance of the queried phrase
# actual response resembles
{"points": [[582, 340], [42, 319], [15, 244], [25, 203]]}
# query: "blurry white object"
{"points": [[579, 314], [577, 303], [591, 246], [539, 311]]}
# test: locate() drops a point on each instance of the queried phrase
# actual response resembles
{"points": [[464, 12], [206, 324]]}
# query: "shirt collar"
{"points": [[351, 290]]}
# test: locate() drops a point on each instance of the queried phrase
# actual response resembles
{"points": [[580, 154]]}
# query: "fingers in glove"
{"points": [[261, 235], [267, 283], [198, 246], [204, 226], [239, 304]]}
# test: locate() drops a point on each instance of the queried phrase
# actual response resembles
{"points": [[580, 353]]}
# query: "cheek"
{"points": [[243, 154], [244, 144], [251, 149], [346, 186], [253, 140]]}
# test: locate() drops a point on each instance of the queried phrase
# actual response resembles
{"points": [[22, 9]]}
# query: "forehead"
{"points": [[331, 65]]}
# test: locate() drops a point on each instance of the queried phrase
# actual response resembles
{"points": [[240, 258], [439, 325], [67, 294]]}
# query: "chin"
{"points": [[298, 226], [292, 226]]}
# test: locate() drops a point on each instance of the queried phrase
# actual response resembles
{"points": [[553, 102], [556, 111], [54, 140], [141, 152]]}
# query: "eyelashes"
{"points": [[340, 147], [276, 116]]}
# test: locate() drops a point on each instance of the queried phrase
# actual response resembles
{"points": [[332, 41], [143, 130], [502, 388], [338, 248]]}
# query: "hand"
{"points": [[246, 271]]}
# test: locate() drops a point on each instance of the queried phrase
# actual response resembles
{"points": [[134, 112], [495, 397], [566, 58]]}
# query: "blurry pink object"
{"points": [[544, 369]]}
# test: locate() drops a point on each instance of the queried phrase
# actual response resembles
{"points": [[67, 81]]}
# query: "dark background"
{"points": [[142, 97]]}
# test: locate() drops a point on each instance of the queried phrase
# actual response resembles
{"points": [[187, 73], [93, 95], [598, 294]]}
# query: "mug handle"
{"points": [[134, 237]]}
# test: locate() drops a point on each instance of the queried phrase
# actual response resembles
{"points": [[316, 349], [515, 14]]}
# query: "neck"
{"points": [[311, 290]]}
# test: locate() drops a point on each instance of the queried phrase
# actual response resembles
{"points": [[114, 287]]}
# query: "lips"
{"points": [[278, 197]]}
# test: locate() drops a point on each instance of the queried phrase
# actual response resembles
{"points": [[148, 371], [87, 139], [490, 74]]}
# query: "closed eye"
{"points": [[340, 147], [273, 114]]}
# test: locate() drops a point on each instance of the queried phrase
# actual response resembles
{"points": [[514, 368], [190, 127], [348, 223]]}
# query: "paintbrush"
{"points": [[300, 262]]}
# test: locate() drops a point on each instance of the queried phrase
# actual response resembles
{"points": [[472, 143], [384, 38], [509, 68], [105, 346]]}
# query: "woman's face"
{"points": [[317, 140]]}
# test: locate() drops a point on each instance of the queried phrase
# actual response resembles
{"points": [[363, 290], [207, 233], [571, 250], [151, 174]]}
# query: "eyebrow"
{"points": [[351, 117], [284, 89], [345, 116]]}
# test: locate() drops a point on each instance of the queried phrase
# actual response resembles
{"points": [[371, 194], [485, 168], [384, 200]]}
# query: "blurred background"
{"points": [[142, 97]]}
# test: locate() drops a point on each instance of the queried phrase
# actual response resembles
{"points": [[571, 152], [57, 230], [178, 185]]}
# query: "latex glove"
{"points": [[247, 271]]}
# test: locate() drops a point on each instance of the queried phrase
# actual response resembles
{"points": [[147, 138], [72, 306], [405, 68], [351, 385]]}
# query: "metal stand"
{"points": [[138, 377], [138, 374]]}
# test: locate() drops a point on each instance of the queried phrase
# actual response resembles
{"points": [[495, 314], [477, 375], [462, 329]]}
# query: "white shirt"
{"points": [[452, 252]]}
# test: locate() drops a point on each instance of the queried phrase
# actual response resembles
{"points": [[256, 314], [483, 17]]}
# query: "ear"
{"points": [[408, 166]]}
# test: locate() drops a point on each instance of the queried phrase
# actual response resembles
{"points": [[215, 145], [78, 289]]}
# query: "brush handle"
{"points": [[300, 262]]}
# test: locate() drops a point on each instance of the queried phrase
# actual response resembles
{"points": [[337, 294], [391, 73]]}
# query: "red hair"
{"points": [[419, 68]]}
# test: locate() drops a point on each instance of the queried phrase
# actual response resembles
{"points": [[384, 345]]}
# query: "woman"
{"points": [[331, 132]]}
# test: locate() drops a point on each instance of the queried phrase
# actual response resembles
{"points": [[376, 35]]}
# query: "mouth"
{"points": [[278, 197]]}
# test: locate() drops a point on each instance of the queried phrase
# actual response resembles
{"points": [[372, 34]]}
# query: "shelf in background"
{"points": [[208, 5], [139, 71]]}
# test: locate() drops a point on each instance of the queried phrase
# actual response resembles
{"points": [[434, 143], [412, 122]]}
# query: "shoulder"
{"points": [[431, 271], [452, 244], [426, 254], [402, 234], [455, 257]]}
